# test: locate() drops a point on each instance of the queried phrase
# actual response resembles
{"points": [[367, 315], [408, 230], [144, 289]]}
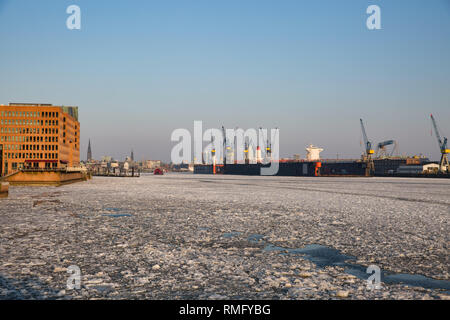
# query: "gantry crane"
{"points": [[443, 165], [367, 157], [381, 148]]}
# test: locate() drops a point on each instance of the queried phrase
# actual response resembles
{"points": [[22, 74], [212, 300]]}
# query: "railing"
{"points": [[65, 170], [43, 170]]}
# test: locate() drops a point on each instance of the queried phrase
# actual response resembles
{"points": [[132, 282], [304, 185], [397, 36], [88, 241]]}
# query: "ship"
{"points": [[314, 166], [328, 167]]}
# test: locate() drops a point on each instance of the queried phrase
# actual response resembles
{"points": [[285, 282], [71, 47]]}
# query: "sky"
{"points": [[140, 69]]}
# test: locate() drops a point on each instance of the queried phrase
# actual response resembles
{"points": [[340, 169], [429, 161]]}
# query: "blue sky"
{"points": [[140, 69]]}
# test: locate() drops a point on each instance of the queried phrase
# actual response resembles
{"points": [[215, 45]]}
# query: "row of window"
{"points": [[35, 147], [29, 139], [20, 122], [16, 165], [21, 165], [29, 114], [30, 130], [33, 155]]}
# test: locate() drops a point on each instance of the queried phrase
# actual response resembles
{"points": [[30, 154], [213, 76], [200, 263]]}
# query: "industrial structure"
{"points": [[313, 153], [367, 156], [443, 164], [385, 162], [382, 151]]}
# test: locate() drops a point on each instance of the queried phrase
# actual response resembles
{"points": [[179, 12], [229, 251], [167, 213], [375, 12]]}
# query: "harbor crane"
{"points": [[269, 145], [443, 165], [225, 147], [367, 157], [382, 151], [246, 151]]}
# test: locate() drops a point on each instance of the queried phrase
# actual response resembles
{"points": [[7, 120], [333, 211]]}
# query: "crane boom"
{"points": [[385, 143], [442, 143], [367, 143], [444, 164]]}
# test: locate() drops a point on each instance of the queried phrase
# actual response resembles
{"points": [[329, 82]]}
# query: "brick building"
{"points": [[38, 136]]}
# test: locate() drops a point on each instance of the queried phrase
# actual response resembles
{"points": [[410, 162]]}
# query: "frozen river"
{"points": [[227, 237]]}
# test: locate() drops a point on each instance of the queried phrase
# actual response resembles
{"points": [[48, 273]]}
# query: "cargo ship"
{"points": [[380, 163], [394, 167], [288, 168]]}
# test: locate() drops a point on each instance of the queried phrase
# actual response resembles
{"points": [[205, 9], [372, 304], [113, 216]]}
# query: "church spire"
{"points": [[89, 151]]}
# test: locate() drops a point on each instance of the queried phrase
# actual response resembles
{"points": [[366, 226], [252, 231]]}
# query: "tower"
{"points": [[89, 151], [313, 153], [132, 155]]}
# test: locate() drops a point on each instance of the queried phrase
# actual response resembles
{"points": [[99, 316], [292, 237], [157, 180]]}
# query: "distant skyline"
{"points": [[137, 70]]}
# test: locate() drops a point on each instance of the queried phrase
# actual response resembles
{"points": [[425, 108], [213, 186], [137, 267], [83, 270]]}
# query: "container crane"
{"points": [[443, 165], [367, 157]]}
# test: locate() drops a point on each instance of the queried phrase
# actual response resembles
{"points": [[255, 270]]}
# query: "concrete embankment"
{"points": [[45, 178], [4, 187]]}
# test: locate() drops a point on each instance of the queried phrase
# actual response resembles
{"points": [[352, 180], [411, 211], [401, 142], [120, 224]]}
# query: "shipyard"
{"points": [[382, 162]]}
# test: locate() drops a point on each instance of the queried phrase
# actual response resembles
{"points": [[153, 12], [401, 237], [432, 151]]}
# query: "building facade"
{"points": [[151, 164], [38, 136]]}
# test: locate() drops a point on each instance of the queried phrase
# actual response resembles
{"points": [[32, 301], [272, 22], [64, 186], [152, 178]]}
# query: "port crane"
{"points": [[225, 147], [381, 148], [443, 165], [367, 157], [246, 151], [269, 146]]}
